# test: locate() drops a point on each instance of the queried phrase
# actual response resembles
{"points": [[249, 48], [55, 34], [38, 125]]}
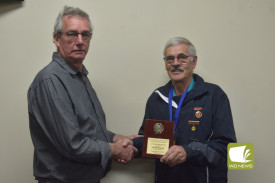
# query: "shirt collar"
{"points": [[192, 84], [67, 66]]}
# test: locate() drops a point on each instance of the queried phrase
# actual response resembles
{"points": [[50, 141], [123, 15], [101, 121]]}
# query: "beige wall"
{"points": [[235, 43]]}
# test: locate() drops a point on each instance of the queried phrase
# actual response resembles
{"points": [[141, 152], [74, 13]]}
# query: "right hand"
{"points": [[123, 150]]}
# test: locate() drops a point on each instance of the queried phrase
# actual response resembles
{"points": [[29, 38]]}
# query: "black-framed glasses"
{"points": [[181, 58], [72, 36]]}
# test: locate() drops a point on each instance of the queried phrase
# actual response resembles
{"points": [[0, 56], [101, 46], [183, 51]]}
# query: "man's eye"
{"points": [[71, 34], [170, 58], [85, 35], [182, 57]]}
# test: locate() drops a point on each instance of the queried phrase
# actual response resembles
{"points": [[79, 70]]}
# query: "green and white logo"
{"points": [[240, 156]]}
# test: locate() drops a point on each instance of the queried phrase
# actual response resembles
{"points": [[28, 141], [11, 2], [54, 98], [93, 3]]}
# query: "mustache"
{"points": [[179, 68]]}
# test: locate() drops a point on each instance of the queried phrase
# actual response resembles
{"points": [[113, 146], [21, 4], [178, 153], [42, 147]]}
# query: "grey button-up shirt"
{"points": [[67, 125]]}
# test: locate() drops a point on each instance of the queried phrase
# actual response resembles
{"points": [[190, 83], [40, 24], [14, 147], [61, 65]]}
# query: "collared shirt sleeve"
{"points": [[53, 111], [111, 135]]}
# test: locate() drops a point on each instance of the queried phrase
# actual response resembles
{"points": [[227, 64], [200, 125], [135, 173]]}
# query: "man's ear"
{"points": [[195, 58], [56, 40]]}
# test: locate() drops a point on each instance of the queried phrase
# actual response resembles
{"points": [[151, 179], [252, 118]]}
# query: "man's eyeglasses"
{"points": [[72, 36], [181, 58]]}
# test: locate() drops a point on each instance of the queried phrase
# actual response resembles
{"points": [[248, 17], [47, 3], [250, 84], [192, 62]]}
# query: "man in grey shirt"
{"points": [[67, 122]]}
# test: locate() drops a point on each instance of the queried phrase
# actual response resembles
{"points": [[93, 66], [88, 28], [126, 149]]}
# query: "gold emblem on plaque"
{"points": [[158, 128]]}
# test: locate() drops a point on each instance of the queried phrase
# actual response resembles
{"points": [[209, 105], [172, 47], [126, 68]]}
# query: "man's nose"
{"points": [[79, 39], [176, 62]]}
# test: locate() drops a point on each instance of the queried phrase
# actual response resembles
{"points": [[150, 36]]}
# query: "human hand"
{"points": [[131, 137], [123, 154], [174, 156], [129, 140], [125, 141]]}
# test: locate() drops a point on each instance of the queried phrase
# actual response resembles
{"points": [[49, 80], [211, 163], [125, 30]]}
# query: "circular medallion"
{"points": [[193, 128], [158, 128], [198, 114]]}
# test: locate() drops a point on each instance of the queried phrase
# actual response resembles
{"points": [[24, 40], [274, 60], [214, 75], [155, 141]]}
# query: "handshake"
{"points": [[122, 149]]}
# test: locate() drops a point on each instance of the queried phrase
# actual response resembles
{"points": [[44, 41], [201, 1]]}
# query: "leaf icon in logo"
{"points": [[239, 154]]}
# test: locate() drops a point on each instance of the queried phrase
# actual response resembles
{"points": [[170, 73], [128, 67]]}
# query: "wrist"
{"points": [[113, 151]]}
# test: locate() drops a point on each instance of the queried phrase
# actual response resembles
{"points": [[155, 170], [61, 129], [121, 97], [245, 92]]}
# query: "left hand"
{"points": [[174, 156], [125, 141]]}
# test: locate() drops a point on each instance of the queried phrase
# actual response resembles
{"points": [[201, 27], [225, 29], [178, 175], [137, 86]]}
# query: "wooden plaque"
{"points": [[158, 138]]}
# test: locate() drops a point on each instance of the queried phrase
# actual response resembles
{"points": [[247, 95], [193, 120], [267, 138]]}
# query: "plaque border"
{"points": [[168, 133]]}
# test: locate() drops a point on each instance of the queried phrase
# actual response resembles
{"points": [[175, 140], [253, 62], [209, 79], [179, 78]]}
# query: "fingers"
{"points": [[131, 137], [135, 149], [127, 154], [125, 142], [122, 154], [121, 161], [123, 148], [117, 137], [128, 140], [175, 155]]}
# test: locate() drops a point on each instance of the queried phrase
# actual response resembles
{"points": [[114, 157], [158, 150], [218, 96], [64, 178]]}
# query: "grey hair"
{"points": [[69, 11], [179, 40]]}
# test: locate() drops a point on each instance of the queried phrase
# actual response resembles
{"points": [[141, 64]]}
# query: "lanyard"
{"points": [[179, 106]]}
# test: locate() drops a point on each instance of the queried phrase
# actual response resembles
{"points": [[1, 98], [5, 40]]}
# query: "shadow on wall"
{"points": [[10, 5]]}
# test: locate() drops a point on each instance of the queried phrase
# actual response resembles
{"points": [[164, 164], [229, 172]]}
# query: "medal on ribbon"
{"points": [[198, 113]]}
